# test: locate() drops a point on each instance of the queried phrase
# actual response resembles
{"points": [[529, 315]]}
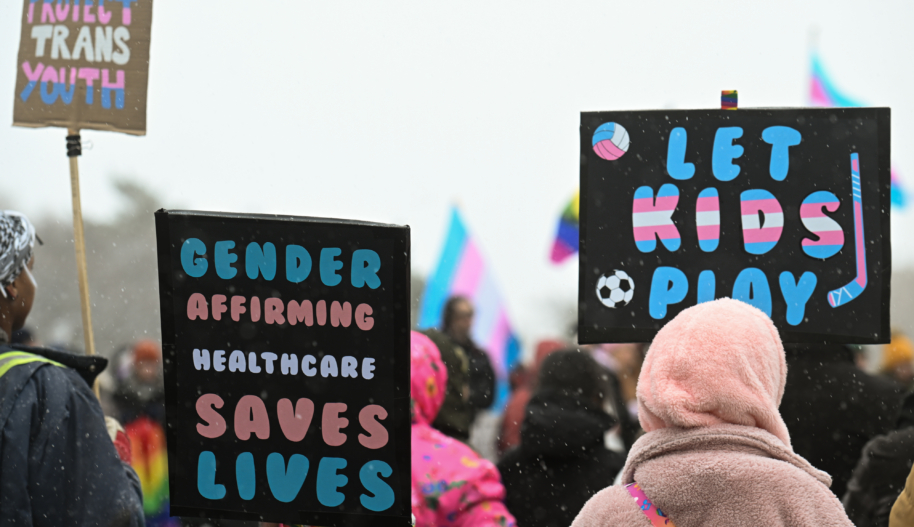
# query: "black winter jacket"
{"points": [[58, 465], [832, 408], [561, 461], [881, 473]]}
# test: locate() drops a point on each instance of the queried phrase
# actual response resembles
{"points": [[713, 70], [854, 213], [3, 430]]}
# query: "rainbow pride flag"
{"points": [[150, 461], [823, 92], [567, 235], [462, 271]]}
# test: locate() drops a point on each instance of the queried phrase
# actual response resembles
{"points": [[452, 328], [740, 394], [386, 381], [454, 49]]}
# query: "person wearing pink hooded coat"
{"points": [[451, 485], [716, 451]]}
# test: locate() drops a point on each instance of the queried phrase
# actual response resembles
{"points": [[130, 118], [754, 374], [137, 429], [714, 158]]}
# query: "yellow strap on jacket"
{"points": [[11, 359]]}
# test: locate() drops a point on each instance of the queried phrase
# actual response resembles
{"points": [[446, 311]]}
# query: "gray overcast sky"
{"points": [[391, 111]]}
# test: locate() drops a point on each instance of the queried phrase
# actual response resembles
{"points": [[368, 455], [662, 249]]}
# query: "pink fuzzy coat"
{"points": [[717, 451], [451, 485]]}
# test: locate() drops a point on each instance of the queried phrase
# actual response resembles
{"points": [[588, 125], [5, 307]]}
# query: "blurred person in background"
{"points": [[140, 399], [61, 461], [832, 408], [561, 460], [457, 323], [456, 415], [881, 472], [898, 360], [622, 366], [451, 484], [523, 382], [716, 450]]}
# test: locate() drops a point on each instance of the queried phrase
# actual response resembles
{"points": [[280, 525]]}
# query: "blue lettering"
{"points": [[365, 266], [206, 477], [328, 480], [725, 152], [781, 138], [675, 155], [263, 260], [285, 484], [706, 286], [225, 259], [751, 287], [244, 475], [193, 266], [383, 495], [796, 294], [668, 286], [298, 263], [329, 266]]}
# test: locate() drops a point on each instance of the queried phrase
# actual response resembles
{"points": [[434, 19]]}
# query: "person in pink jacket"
{"points": [[451, 485], [716, 451]]}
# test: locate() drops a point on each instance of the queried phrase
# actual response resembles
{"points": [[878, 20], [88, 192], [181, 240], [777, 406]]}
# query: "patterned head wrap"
{"points": [[17, 242]]}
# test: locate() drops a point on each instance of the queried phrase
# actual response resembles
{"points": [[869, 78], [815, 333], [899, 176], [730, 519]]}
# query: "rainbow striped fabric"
{"points": [[822, 92], [462, 271], [728, 99], [150, 461], [567, 235]]}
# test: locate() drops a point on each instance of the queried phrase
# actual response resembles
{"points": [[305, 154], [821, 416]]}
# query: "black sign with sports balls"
{"points": [[785, 209], [286, 344]]}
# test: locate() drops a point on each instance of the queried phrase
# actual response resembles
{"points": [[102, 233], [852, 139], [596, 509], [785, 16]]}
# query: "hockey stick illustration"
{"points": [[843, 295]]}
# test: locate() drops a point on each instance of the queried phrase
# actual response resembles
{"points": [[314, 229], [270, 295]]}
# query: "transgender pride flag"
{"points": [[823, 92], [462, 271]]}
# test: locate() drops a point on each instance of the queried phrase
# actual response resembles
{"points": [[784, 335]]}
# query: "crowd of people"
{"points": [[715, 422]]}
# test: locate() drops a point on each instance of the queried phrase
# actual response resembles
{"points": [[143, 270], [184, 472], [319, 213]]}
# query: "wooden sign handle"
{"points": [[79, 242]]}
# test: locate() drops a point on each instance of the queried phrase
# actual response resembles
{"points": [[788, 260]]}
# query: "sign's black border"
{"points": [[401, 417], [596, 335]]}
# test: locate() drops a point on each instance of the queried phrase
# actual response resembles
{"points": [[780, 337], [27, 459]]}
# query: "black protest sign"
{"points": [[286, 345], [786, 209]]}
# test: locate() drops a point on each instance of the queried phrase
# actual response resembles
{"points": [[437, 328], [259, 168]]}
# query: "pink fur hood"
{"points": [[718, 475], [716, 450]]}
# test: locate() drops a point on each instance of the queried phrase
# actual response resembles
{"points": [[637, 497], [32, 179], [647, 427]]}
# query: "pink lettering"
{"points": [[47, 13], [251, 417], [340, 315], [362, 320], [378, 434], [255, 309], [215, 423], [332, 423], [218, 306], [62, 9], [103, 16], [273, 308], [106, 80], [88, 17], [90, 75], [196, 305], [50, 75], [30, 74], [300, 313], [238, 308], [295, 424]]}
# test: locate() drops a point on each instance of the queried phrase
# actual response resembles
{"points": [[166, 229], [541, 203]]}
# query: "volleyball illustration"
{"points": [[610, 141]]}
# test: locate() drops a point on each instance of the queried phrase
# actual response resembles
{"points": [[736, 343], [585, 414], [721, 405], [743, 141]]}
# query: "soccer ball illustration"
{"points": [[615, 288]]}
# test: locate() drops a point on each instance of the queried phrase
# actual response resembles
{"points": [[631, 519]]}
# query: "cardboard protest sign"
{"points": [[787, 210], [83, 64], [286, 345]]}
